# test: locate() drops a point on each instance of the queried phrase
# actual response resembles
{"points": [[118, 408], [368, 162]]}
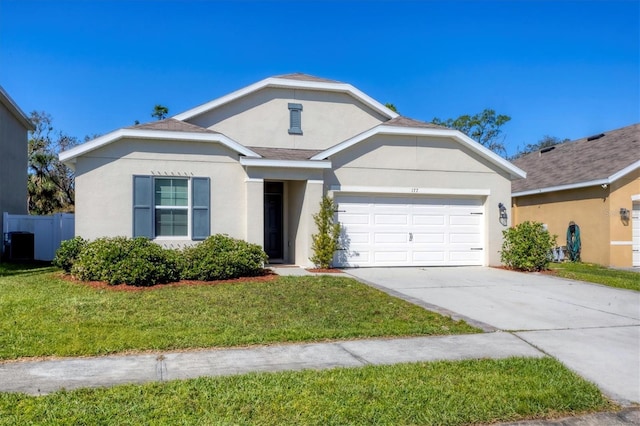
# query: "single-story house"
{"points": [[255, 163], [14, 130], [594, 182]]}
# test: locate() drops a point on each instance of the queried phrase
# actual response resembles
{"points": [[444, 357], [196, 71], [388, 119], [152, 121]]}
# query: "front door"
{"points": [[273, 232]]}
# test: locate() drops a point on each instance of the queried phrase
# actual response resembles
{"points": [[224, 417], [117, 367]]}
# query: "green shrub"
{"points": [[68, 252], [527, 247], [121, 260], [221, 257], [326, 241]]}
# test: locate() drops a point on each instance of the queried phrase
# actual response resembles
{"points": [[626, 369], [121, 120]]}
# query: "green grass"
{"points": [[598, 274], [437, 393], [44, 315]]}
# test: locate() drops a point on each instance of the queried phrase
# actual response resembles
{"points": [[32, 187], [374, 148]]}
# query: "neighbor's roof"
{"points": [[290, 81], [15, 110], [596, 160]]}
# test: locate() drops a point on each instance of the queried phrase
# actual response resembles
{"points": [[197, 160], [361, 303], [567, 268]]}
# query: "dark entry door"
{"points": [[273, 231]]}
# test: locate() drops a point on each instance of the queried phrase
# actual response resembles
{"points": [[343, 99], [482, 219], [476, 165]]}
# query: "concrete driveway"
{"points": [[592, 329]]}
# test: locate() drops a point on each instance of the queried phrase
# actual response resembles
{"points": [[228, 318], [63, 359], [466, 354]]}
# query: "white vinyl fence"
{"points": [[49, 231]]}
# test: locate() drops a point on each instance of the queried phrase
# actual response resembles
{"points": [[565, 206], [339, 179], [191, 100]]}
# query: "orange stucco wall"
{"points": [[621, 230], [595, 209]]}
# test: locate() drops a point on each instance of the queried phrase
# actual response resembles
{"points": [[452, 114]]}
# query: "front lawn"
{"points": [[42, 314], [597, 274], [442, 393]]}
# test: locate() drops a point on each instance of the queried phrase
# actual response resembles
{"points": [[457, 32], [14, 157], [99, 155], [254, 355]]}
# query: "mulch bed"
{"points": [[101, 285]]}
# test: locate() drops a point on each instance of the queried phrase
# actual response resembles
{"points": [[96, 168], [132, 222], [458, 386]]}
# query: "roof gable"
{"points": [[290, 81], [404, 126], [584, 162]]}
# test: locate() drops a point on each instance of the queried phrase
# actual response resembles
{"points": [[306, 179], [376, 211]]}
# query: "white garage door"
{"points": [[410, 231], [635, 229]]}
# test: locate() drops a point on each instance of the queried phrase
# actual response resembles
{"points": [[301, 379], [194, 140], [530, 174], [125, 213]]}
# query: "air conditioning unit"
{"points": [[19, 245]]}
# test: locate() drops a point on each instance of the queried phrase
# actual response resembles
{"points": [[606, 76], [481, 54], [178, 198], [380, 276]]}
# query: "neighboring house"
{"points": [[14, 129], [254, 164], [594, 182]]}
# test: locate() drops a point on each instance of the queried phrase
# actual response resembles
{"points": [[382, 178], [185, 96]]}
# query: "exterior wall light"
{"points": [[624, 214], [503, 211]]}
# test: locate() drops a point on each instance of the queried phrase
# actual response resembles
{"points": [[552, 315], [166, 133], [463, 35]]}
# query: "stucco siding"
{"points": [[589, 208], [261, 119], [621, 230], [428, 167], [109, 212], [13, 164]]}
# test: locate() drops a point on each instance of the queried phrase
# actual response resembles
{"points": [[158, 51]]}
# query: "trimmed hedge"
{"points": [[220, 257], [141, 262], [68, 252], [527, 247]]}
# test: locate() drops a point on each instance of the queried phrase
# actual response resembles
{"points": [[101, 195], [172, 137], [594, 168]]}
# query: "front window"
{"points": [[171, 207]]}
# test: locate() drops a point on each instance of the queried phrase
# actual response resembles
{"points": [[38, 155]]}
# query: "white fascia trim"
{"points": [[561, 187], [288, 84], [286, 164], [607, 181], [630, 168], [409, 190], [413, 131], [71, 154], [257, 180]]}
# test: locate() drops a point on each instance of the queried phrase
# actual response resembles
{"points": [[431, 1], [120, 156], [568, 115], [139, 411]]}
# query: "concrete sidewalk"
{"points": [[42, 377]]}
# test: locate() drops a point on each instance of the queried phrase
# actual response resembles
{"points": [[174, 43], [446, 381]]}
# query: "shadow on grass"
{"points": [[8, 269]]}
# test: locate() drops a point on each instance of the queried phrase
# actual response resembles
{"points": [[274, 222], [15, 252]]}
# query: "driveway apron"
{"points": [[592, 329]]}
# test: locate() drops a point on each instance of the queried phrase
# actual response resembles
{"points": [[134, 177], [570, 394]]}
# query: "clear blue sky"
{"points": [[562, 68]]}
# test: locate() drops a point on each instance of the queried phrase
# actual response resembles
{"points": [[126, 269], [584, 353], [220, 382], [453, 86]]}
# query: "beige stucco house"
{"points": [[254, 164], [14, 129], [594, 182]]}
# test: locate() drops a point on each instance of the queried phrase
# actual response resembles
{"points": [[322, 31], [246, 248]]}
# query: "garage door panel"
{"points": [[393, 238], [432, 238], [389, 256], [423, 219], [388, 219], [467, 219], [354, 219], [464, 238], [428, 256], [358, 237]]}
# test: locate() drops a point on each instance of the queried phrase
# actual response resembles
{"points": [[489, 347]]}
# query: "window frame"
{"points": [[155, 207]]}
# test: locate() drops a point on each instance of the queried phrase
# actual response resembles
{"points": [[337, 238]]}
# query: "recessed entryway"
{"points": [[273, 221]]}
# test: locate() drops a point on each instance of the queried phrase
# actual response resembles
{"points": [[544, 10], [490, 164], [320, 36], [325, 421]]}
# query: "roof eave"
{"points": [[293, 84], [596, 182], [70, 155], [514, 172], [286, 164]]}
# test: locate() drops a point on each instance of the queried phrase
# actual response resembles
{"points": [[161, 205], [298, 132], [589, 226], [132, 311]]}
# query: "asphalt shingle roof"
{"points": [[172, 125], [582, 160], [306, 77], [284, 153], [401, 121]]}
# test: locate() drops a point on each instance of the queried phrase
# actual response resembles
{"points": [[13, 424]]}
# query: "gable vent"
{"points": [[594, 137]]}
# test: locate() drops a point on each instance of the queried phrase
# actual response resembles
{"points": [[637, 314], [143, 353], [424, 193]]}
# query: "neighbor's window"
{"points": [[171, 207], [295, 119]]}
